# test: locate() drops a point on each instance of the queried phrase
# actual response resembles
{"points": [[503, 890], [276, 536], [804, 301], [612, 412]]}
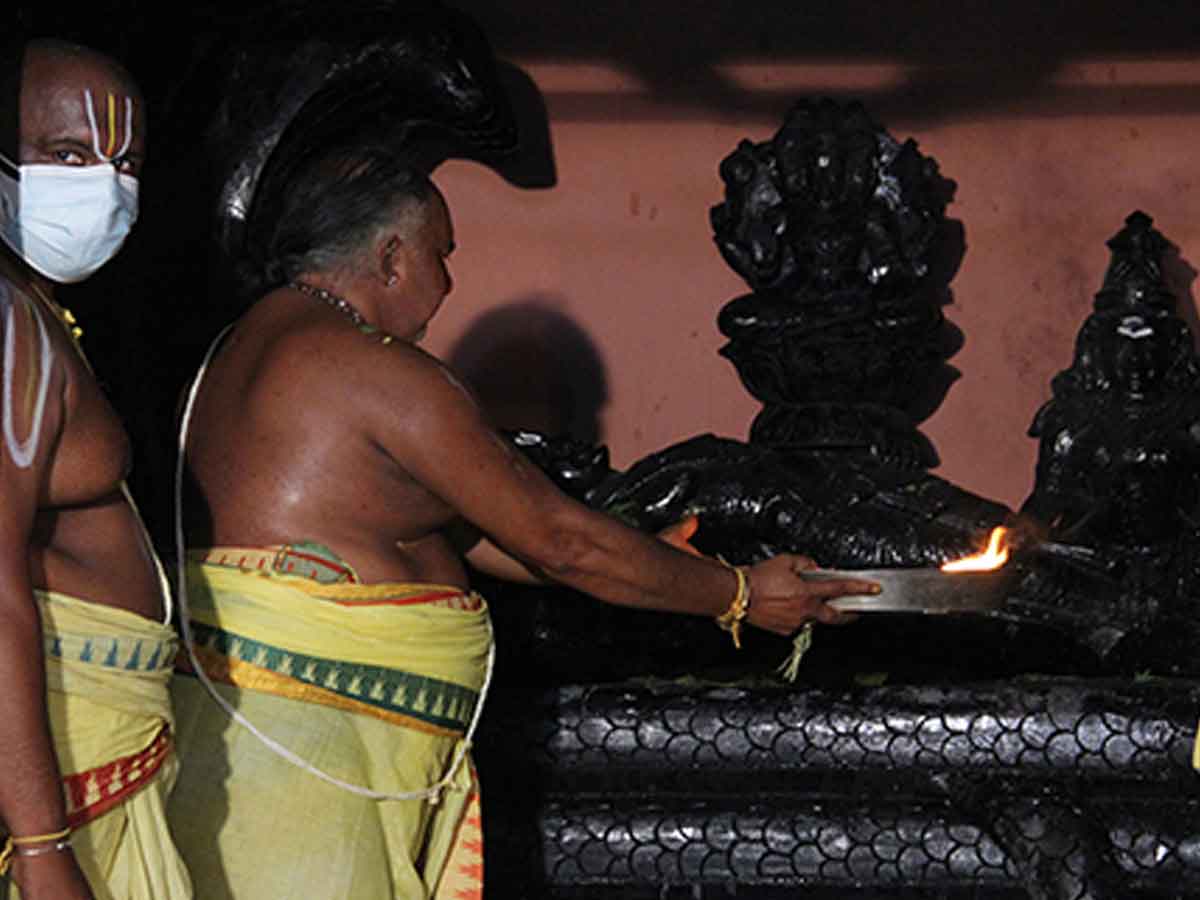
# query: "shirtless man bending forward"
{"points": [[334, 455]]}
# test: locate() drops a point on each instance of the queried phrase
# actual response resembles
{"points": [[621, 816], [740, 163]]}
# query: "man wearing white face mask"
{"points": [[85, 642]]}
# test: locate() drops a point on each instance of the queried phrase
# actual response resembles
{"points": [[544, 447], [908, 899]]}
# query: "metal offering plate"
{"points": [[929, 591]]}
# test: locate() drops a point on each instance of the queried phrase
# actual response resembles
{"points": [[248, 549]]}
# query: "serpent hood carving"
{"points": [[416, 76]]}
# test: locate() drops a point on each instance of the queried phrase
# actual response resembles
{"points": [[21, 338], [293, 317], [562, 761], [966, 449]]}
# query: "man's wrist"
{"points": [[739, 607], [33, 845]]}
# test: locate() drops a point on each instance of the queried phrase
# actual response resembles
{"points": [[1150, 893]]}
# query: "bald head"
{"points": [[47, 51], [78, 107]]}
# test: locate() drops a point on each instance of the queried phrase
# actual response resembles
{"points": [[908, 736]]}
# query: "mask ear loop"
{"points": [[434, 791]]}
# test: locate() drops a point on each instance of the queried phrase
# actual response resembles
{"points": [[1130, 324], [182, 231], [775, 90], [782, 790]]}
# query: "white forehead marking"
{"points": [[90, 106]]}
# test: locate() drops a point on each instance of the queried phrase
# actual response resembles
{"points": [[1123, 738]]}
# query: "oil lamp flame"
{"points": [[993, 557]]}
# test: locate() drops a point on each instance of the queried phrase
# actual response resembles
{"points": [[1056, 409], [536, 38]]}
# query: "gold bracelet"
{"points": [[731, 619], [14, 844]]}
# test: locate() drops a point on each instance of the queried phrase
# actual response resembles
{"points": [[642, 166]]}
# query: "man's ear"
{"points": [[391, 260]]}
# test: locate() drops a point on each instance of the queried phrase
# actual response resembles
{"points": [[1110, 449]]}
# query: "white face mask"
{"points": [[66, 221]]}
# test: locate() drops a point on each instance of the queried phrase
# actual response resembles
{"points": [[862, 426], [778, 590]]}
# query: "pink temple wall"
{"points": [[601, 293]]}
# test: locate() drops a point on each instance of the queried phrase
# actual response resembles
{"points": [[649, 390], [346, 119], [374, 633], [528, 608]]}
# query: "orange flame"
{"points": [[993, 557]]}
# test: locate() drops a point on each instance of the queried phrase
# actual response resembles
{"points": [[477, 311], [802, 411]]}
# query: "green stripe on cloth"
{"points": [[130, 654], [440, 703]]}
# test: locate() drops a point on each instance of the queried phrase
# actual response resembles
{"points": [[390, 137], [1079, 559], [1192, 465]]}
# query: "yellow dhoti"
{"points": [[375, 685], [107, 672]]}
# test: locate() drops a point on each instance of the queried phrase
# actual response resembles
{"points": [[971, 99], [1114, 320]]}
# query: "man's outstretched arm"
{"points": [[434, 430]]}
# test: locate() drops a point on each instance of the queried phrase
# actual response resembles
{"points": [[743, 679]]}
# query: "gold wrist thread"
{"points": [[731, 619], [14, 845]]}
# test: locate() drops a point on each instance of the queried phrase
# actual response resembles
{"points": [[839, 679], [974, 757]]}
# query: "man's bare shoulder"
{"points": [[23, 321], [363, 371], [406, 375], [16, 297]]}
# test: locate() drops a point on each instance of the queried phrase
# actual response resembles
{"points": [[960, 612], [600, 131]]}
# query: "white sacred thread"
{"points": [[23, 452], [91, 114]]}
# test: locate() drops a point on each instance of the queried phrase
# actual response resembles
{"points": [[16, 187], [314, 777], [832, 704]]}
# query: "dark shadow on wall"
{"points": [[531, 367]]}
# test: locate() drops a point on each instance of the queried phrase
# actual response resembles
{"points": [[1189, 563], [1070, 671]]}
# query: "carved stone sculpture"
{"points": [[836, 227], [1118, 475], [1123, 428], [833, 224]]}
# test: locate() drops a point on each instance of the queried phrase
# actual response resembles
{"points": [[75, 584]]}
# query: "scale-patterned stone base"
{"points": [[1063, 789]]}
